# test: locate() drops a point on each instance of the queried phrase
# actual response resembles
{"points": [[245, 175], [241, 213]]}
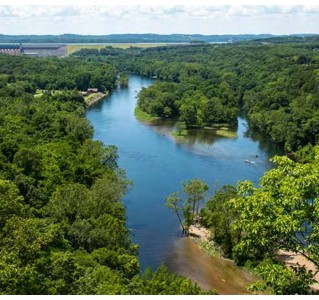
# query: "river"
{"points": [[158, 165]]}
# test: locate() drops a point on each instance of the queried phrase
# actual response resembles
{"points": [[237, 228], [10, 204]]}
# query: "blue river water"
{"points": [[158, 165]]}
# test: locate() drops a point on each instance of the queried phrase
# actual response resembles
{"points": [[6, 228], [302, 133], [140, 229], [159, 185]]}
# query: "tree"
{"points": [[195, 191], [218, 217], [173, 202], [277, 279], [123, 80], [163, 282], [283, 213], [180, 127], [11, 204]]}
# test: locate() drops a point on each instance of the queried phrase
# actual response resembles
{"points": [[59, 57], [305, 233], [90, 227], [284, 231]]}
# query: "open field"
{"points": [[73, 48]]}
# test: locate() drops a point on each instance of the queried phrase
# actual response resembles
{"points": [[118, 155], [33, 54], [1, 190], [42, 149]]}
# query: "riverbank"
{"points": [[93, 98], [292, 259], [209, 272], [235, 278], [201, 236], [143, 116]]}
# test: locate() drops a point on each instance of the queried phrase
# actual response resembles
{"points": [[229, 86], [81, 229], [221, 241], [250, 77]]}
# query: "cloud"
{"points": [[178, 11]]}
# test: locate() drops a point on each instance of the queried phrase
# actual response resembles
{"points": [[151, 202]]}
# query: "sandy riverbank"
{"points": [[209, 272], [292, 259], [93, 98], [199, 232]]}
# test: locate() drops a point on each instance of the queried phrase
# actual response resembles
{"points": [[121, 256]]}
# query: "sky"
{"points": [[165, 17]]}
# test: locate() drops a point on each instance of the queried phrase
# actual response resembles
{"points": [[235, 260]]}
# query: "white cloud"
{"points": [[206, 19], [153, 11]]}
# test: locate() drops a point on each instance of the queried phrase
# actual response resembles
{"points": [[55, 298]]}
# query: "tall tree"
{"points": [[195, 191], [173, 201]]}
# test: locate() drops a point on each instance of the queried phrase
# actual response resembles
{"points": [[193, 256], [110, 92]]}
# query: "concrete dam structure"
{"points": [[34, 49]]}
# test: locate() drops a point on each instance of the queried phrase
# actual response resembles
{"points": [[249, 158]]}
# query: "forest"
{"points": [[63, 225], [275, 86]]}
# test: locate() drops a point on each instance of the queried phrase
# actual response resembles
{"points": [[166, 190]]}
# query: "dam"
{"points": [[34, 49]]}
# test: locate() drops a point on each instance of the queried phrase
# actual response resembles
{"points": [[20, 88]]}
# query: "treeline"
{"points": [[128, 38], [275, 85], [62, 223], [24, 74]]}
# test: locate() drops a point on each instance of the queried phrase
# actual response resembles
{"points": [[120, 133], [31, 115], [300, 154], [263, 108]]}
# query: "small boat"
{"points": [[249, 161]]}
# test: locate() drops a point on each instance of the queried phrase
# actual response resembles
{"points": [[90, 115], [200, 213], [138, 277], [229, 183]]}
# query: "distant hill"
{"points": [[158, 38], [298, 38], [130, 38]]}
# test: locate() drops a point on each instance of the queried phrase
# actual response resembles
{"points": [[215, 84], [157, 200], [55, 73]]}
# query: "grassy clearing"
{"points": [[38, 93], [73, 48], [223, 130], [226, 133], [143, 116]]}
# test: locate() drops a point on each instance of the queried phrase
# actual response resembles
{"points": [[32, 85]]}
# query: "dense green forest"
{"points": [[276, 86], [62, 223], [19, 75]]}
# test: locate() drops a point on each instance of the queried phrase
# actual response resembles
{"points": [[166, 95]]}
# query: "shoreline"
{"points": [[210, 269], [200, 235], [144, 117], [99, 96], [292, 259]]}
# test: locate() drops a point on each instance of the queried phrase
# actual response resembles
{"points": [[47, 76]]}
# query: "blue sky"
{"points": [[161, 19]]}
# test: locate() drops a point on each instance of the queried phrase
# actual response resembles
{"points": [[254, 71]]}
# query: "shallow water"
{"points": [[210, 272], [158, 165]]}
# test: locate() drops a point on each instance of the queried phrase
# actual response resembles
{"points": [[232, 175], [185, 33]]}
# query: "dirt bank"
{"points": [[292, 259]]}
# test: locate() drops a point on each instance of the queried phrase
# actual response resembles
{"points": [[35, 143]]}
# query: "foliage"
{"points": [[275, 85], [281, 214], [123, 80], [27, 74], [195, 191], [62, 223], [280, 280], [171, 284], [218, 217]]}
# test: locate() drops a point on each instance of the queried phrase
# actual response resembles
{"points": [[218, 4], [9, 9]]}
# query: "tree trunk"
{"points": [[179, 219]]}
